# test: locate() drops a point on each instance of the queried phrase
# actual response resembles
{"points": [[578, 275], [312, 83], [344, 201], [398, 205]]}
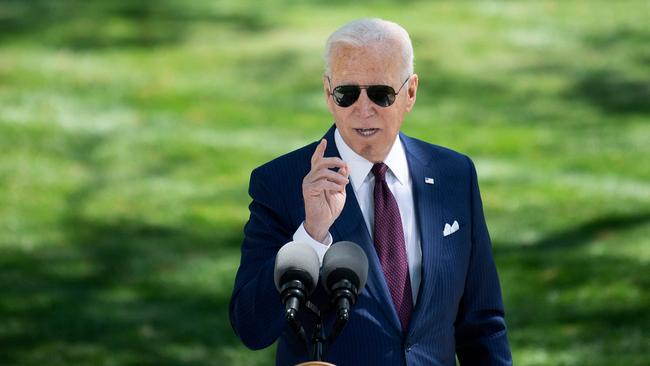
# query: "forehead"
{"points": [[379, 63]]}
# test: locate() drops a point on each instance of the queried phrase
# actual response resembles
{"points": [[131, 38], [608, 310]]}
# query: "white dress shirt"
{"points": [[363, 182]]}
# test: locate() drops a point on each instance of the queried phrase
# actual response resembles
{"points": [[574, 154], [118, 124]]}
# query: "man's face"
{"points": [[366, 127]]}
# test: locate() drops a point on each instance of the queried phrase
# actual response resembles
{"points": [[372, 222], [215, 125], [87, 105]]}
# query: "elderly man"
{"points": [[414, 208]]}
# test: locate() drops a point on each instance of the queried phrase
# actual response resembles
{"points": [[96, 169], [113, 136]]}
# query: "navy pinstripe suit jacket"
{"points": [[459, 310]]}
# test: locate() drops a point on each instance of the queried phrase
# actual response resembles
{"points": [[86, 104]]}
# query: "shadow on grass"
{"points": [[96, 24], [609, 88], [109, 296], [624, 35], [582, 234], [574, 305], [612, 92]]}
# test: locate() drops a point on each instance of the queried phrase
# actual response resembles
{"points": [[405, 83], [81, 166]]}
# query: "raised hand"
{"points": [[324, 192]]}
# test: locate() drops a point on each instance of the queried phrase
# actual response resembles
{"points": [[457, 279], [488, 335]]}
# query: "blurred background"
{"points": [[128, 130]]}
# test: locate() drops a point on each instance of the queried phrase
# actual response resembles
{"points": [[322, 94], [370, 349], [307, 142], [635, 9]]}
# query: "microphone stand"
{"points": [[346, 294], [318, 339], [318, 336]]}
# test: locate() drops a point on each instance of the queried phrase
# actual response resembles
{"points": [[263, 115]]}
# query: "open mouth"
{"points": [[366, 132]]}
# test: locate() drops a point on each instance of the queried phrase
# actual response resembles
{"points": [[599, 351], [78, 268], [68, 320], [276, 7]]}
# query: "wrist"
{"points": [[318, 235]]}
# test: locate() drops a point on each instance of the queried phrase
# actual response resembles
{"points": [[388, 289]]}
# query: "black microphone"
{"points": [[295, 277], [344, 274]]}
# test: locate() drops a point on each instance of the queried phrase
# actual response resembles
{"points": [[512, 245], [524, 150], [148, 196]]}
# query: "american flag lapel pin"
{"points": [[428, 180]]}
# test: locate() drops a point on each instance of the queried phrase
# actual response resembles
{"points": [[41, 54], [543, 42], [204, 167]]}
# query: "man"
{"points": [[415, 209]]}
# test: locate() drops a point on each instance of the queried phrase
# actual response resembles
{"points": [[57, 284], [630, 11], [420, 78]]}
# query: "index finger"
{"points": [[319, 152]]}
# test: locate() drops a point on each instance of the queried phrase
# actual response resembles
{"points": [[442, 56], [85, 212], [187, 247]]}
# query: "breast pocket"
{"points": [[456, 240]]}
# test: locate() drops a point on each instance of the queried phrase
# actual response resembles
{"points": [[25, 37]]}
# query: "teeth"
{"points": [[366, 131]]}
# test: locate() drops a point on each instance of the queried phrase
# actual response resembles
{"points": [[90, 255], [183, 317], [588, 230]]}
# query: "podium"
{"points": [[315, 363]]}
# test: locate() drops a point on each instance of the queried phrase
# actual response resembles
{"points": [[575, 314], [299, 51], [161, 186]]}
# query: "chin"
{"points": [[368, 152]]}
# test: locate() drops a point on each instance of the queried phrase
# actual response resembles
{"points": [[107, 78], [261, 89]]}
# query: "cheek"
{"points": [[341, 115], [392, 121]]}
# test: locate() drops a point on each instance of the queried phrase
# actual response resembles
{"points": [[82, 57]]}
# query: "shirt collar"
{"points": [[360, 167]]}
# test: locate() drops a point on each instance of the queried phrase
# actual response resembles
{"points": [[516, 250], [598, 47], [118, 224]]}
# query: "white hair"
{"points": [[371, 32]]}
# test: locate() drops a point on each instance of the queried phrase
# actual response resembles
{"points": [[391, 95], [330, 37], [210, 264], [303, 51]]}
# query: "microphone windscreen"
{"points": [[299, 258], [343, 258]]}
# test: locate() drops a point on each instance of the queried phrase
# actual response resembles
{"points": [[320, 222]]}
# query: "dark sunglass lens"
{"points": [[382, 95], [346, 95]]}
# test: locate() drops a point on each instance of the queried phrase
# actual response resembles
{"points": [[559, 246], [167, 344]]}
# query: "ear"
{"points": [[411, 92], [328, 92]]}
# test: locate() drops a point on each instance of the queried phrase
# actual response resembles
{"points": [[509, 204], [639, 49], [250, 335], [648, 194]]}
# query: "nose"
{"points": [[365, 107]]}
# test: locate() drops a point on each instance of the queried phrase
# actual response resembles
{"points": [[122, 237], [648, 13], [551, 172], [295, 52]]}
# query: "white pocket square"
{"points": [[450, 229]]}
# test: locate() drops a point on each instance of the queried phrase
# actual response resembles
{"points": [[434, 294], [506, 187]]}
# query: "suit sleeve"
{"points": [[256, 310], [481, 337]]}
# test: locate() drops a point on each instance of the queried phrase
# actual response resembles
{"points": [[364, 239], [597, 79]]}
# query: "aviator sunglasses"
{"points": [[382, 95]]}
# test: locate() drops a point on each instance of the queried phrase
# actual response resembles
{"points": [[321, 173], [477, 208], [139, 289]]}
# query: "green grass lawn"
{"points": [[128, 131]]}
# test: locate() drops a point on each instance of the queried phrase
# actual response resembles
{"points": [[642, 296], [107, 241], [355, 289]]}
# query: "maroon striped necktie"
{"points": [[390, 246]]}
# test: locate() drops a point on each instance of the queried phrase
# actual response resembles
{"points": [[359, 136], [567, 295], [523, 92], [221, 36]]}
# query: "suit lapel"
{"points": [[429, 212], [351, 226]]}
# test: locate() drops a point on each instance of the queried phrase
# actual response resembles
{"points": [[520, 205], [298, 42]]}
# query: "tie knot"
{"points": [[379, 170]]}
